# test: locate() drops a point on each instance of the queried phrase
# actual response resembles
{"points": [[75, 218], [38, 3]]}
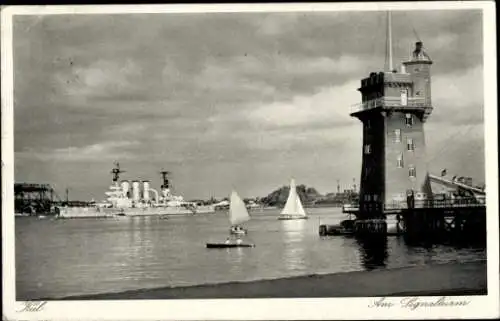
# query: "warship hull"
{"points": [[96, 212], [87, 212]]}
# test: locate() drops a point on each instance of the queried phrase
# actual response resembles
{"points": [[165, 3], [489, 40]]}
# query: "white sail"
{"points": [[238, 213], [293, 205]]}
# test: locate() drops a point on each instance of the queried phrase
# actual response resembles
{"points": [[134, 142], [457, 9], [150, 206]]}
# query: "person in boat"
{"points": [[239, 241], [237, 228], [228, 240]]}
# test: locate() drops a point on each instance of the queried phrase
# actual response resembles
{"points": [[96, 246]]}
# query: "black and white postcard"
{"points": [[250, 161]]}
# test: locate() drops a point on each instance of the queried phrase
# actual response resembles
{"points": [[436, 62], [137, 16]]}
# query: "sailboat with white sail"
{"points": [[293, 209], [238, 214]]}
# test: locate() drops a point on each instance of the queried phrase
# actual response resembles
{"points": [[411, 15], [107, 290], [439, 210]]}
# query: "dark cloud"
{"points": [[223, 99]]}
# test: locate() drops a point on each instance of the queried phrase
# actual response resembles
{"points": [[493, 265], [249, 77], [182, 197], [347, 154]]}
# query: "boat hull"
{"points": [[341, 231], [292, 217], [95, 212], [230, 245], [87, 212], [243, 232], [154, 211]]}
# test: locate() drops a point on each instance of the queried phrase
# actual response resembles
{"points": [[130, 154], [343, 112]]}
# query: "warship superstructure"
{"points": [[137, 198]]}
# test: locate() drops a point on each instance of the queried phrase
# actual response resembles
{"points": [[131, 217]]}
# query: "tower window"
{"points": [[410, 145], [412, 172], [397, 135], [368, 149], [400, 161], [409, 120], [404, 97], [367, 171]]}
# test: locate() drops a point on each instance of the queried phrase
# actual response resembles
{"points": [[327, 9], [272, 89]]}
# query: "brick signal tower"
{"points": [[394, 108]]}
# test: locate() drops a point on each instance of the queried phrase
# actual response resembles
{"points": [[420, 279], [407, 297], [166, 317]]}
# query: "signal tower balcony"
{"points": [[412, 105]]}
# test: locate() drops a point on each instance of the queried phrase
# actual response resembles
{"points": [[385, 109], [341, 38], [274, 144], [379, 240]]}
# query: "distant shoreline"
{"points": [[448, 279]]}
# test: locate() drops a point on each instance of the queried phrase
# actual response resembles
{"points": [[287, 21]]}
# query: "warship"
{"points": [[137, 198]]}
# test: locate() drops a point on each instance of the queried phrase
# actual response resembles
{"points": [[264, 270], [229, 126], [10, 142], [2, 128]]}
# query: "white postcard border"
{"points": [[250, 309]]}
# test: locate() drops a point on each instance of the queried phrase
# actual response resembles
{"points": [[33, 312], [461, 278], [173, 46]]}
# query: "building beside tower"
{"points": [[394, 108]]}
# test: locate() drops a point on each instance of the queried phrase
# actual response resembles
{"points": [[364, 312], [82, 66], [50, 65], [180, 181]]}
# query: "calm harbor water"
{"points": [[57, 258]]}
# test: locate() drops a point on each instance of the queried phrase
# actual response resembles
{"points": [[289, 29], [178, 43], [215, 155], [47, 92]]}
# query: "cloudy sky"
{"points": [[228, 100]]}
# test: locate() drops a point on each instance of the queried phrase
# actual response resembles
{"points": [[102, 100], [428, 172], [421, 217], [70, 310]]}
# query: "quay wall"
{"points": [[440, 279]]}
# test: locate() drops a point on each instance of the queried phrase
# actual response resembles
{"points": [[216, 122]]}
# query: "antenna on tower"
{"points": [[416, 34], [388, 57], [417, 38]]}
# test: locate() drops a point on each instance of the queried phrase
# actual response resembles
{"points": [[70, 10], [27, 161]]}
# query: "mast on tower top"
{"points": [[388, 57]]}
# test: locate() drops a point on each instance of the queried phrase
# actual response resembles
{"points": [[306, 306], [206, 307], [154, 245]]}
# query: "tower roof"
{"points": [[419, 53]]}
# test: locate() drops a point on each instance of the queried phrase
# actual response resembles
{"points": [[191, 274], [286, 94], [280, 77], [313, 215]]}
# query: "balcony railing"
{"points": [[448, 203], [389, 102], [397, 206]]}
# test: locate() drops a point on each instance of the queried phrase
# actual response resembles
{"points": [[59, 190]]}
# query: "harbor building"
{"points": [[33, 198], [395, 106]]}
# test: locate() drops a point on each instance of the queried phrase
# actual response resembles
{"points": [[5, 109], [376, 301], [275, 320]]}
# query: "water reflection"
{"points": [[139, 228], [455, 241], [293, 239], [373, 252], [234, 258]]}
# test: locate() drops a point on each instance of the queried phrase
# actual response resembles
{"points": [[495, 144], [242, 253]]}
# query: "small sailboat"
{"points": [[238, 214], [293, 209]]}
